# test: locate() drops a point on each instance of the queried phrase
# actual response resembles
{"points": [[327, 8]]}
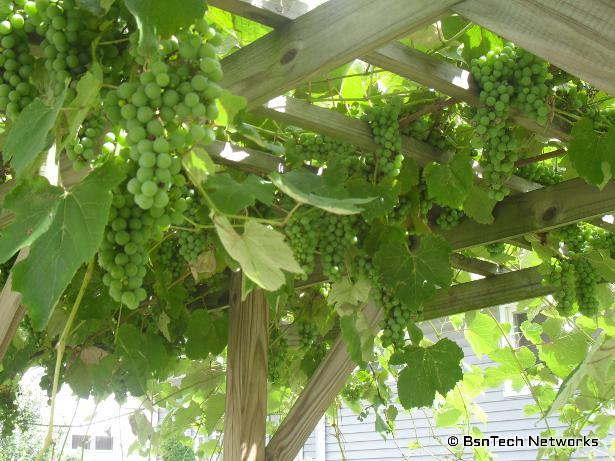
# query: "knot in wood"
{"points": [[550, 214], [289, 56]]}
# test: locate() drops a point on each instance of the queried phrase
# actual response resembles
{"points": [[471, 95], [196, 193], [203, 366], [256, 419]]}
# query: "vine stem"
{"points": [[61, 346], [521, 370], [433, 107], [540, 158]]}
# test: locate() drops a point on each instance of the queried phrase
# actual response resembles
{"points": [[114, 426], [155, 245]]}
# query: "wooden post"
{"points": [[11, 310], [246, 376]]}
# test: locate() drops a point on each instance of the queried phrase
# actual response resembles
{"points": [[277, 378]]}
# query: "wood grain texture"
{"points": [[11, 310], [336, 125], [325, 38], [272, 13], [323, 386], [246, 375], [576, 35], [536, 211]]}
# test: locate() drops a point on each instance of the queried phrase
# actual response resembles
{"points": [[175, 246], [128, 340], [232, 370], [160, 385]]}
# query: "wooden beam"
{"points": [[578, 36], [272, 13], [397, 58], [337, 366], [448, 79], [323, 386], [536, 211], [246, 375], [357, 132], [327, 37]]}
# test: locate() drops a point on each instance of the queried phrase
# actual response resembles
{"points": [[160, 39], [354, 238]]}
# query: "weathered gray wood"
{"points": [[576, 35], [331, 123], [272, 13], [246, 375], [320, 40], [536, 211]]}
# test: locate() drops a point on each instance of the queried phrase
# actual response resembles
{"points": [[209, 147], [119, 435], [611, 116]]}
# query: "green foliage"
{"points": [[173, 449], [592, 154], [28, 137], [414, 275], [57, 254], [450, 184], [428, 370]]}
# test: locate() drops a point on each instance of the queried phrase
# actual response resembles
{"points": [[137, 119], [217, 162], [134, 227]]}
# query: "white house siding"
{"points": [[505, 417]]}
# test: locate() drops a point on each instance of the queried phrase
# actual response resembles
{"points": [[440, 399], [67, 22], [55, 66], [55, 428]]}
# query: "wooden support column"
{"points": [[324, 385], [246, 376]]}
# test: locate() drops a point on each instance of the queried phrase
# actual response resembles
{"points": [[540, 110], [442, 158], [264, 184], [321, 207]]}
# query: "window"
{"points": [[81, 441], [104, 442]]}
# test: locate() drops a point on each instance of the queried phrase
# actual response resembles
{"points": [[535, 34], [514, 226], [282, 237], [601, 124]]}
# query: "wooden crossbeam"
{"points": [[399, 59], [333, 373], [448, 79], [272, 13], [537, 211], [357, 132], [578, 36], [325, 38], [246, 375]]}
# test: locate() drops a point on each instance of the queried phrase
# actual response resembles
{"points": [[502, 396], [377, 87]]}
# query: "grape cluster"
{"points": [[531, 77], [90, 141], [397, 316], [540, 173], [167, 254], [586, 278], [449, 218], [507, 77], [337, 235], [574, 236], [430, 129], [278, 353], [123, 254], [562, 276], [384, 123], [495, 249], [16, 60], [318, 150], [402, 210], [303, 232], [308, 332], [601, 239], [192, 244]]}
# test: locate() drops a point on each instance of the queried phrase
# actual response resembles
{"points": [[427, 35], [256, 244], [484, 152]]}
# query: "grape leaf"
{"points": [[206, 334], [346, 292], [478, 205], [592, 155], [306, 187], [96, 7], [449, 184], [596, 363], [509, 368], [28, 137], [162, 17], [230, 196], [357, 335], [261, 252], [564, 352], [88, 89], [34, 205], [603, 263], [143, 357], [199, 165], [414, 276], [429, 370], [73, 237], [229, 105], [482, 333]]}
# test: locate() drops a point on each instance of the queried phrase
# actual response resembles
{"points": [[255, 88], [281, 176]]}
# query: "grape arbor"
{"points": [[211, 201]]}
